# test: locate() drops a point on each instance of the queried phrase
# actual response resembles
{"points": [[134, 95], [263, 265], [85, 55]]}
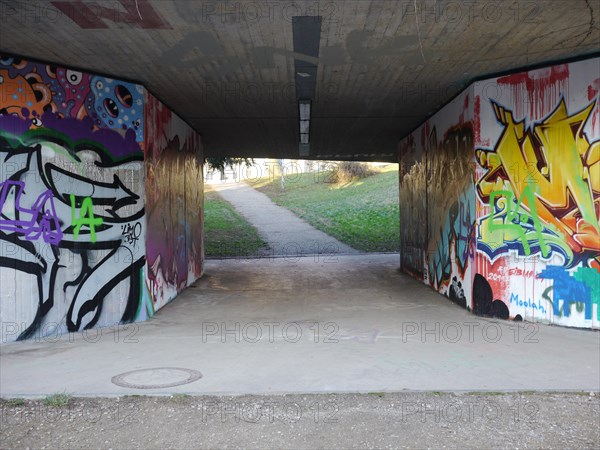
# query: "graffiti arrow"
{"points": [[113, 195]]}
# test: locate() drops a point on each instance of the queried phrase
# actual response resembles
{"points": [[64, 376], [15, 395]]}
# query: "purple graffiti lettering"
{"points": [[40, 220]]}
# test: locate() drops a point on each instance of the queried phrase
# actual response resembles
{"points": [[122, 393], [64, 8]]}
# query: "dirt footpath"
{"points": [[377, 420]]}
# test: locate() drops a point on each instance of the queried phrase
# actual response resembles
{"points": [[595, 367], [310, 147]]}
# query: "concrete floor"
{"points": [[371, 323]]}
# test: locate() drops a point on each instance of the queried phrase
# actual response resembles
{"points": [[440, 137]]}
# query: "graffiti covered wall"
{"points": [[437, 197], [71, 184], [538, 194], [512, 200], [73, 213], [412, 173], [174, 199]]}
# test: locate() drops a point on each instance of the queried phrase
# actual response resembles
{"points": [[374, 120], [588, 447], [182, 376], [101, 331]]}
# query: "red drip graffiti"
{"points": [[541, 90]]}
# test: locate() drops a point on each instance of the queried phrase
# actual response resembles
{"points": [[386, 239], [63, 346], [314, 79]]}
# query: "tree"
{"points": [[223, 162]]}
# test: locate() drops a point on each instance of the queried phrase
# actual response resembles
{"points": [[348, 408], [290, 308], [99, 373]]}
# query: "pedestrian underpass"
{"points": [[101, 189]]}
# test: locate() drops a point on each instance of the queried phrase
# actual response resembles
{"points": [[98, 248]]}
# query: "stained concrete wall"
{"points": [[74, 226], [437, 208], [174, 203], [505, 184]]}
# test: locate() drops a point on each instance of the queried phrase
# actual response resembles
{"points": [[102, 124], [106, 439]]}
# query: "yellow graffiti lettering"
{"points": [[558, 166]]}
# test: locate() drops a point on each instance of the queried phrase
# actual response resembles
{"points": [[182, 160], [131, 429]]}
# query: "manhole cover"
{"points": [[160, 377]]}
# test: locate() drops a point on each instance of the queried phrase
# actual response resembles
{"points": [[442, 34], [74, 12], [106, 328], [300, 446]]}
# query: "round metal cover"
{"points": [[156, 378]]}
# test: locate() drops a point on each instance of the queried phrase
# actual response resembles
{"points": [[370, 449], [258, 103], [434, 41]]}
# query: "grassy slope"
{"points": [[226, 233], [362, 214]]}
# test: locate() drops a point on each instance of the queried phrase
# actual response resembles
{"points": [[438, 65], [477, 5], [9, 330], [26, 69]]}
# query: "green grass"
{"points": [[14, 402], [178, 398], [362, 213], [57, 400], [377, 394], [226, 232]]}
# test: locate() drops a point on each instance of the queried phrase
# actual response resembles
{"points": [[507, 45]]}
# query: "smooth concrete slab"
{"points": [[364, 328], [284, 232]]}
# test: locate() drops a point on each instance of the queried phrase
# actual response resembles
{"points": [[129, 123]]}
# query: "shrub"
{"points": [[347, 171], [57, 400]]}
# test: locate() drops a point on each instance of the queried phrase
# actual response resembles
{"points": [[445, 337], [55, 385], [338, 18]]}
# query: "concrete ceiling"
{"points": [[231, 68]]}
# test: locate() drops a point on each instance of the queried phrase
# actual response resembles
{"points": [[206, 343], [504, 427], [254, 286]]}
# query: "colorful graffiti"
{"points": [[450, 209], [63, 198], [30, 89], [513, 216], [71, 149], [437, 201], [540, 189], [174, 196], [73, 211], [582, 289], [87, 193]]}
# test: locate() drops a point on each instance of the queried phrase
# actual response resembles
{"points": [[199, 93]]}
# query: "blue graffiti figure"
{"points": [[569, 289], [116, 104], [591, 277], [456, 233], [463, 225]]}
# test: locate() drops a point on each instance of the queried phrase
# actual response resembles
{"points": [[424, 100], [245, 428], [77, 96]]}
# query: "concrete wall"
{"points": [[505, 181], [538, 194], [174, 199], [74, 214], [437, 200]]}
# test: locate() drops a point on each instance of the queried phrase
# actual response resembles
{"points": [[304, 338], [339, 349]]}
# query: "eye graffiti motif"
{"points": [[74, 77], [116, 103], [111, 107], [124, 96]]}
